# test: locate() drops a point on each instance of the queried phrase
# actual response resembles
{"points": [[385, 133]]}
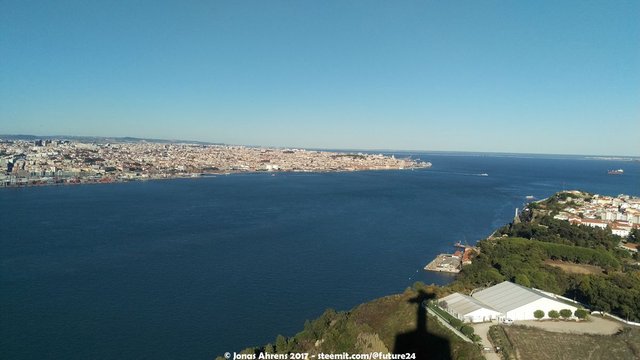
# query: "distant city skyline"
{"points": [[512, 77], [117, 139]]}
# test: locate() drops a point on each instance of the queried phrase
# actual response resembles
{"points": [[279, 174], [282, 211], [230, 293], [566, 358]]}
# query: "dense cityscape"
{"points": [[42, 162], [620, 214]]}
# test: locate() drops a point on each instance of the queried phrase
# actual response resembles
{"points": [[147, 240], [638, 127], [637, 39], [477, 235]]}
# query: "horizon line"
{"points": [[383, 150]]}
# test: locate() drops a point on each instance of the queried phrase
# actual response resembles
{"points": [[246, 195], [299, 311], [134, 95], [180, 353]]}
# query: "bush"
{"points": [[456, 323], [554, 314], [538, 314], [581, 314], [467, 330], [565, 313]]}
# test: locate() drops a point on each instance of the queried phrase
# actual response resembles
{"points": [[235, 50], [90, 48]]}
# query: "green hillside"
{"points": [[389, 324]]}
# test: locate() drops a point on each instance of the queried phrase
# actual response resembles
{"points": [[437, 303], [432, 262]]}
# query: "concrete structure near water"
{"points": [[445, 263]]}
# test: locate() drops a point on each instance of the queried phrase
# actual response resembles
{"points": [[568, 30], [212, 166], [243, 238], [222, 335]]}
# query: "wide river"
{"points": [[189, 269]]}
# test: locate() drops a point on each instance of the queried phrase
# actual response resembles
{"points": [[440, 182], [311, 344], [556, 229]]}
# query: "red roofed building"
{"points": [[594, 223], [630, 247]]}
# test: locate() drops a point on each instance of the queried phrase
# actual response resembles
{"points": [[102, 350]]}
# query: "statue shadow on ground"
{"points": [[424, 344]]}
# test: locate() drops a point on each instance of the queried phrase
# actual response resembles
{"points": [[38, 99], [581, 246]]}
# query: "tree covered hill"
{"points": [[519, 252]]}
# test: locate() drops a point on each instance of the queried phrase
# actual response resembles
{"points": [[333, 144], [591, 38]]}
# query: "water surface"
{"points": [[193, 268]]}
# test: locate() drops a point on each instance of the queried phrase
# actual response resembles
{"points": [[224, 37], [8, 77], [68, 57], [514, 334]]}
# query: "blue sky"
{"points": [[508, 76]]}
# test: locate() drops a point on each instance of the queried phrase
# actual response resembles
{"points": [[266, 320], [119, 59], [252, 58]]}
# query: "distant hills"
{"points": [[129, 139], [102, 139]]}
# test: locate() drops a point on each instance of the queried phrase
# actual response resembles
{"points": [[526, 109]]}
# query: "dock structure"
{"points": [[445, 263], [452, 263]]}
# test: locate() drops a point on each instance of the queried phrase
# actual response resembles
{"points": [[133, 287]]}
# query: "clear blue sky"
{"points": [[508, 76]]}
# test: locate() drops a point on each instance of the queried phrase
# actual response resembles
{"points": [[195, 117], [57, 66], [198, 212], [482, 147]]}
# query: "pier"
{"points": [[452, 263], [445, 263]]}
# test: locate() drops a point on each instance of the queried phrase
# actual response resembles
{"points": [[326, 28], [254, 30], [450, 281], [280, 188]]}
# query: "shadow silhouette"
{"points": [[419, 341]]}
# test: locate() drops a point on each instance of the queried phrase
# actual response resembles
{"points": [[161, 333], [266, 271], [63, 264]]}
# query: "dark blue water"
{"points": [[193, 268]]}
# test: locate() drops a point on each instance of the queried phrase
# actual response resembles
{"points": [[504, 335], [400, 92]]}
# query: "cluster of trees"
{"points": [[617, 293], [332, 326], [522, 261], [580, 255], [548, 229], [517, 260], [564, 313]]}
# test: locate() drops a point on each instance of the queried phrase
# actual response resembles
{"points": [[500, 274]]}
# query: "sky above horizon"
{"points": [[559, 77]]}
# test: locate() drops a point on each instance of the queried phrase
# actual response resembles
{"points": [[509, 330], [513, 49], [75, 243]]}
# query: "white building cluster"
{"points": [[621, 214], [503, 301]]}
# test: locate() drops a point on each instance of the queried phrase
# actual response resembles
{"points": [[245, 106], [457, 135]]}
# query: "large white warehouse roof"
{"points": [[507, 300], [508, 296], [463, 304]]}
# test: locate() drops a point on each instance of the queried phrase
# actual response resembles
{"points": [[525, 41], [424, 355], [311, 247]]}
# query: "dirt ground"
{"points": [[482, 330], [575, 268], [531, 343], [595, 325]]}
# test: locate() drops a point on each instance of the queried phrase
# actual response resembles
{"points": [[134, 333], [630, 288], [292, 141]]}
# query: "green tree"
{"points": [[554, 314], [522, 279], [626, 311], [565, 313], [538, 314], [581, 314], [467, 330], [281, 344]]}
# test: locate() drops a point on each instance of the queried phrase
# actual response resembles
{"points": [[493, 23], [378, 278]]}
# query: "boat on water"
{"points": [[483, 174], [530, 197], [615, 172]]}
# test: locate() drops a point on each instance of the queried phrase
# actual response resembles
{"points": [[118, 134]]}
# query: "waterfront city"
{"points": [[49, 161]]}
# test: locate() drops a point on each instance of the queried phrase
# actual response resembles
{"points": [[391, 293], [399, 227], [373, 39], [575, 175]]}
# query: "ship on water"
{"points": [[615, 172]]}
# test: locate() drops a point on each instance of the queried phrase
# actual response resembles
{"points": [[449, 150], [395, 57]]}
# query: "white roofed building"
{"points": [[503, 301], [594, 223], [467, 309], [518, 302]]}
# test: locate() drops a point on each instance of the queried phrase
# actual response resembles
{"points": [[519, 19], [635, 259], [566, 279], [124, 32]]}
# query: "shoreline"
{"points": [[106, 180], [53, 162]]}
